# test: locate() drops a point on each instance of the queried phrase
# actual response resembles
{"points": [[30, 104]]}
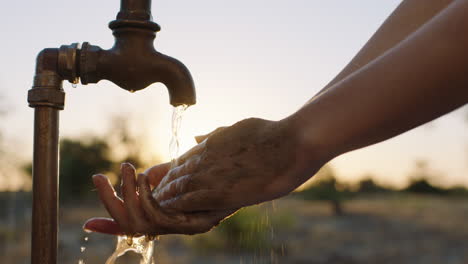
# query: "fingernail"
{"points": [[96, 177]]}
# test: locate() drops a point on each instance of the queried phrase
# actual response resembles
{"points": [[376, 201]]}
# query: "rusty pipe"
{"points": [[47, 97], [45, 186], [132, 63], [135, 9]]}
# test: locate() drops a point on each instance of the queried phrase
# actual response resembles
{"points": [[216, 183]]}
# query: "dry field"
{"points": [[394, 228]]}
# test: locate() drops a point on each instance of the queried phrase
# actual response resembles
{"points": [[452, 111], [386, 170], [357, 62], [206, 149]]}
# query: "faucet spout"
{"points": [[177, 79], [133, 63]]}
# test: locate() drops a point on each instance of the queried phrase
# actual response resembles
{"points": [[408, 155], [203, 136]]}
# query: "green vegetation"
{"points": [[250, 229], [326, 187], [79, 160]]}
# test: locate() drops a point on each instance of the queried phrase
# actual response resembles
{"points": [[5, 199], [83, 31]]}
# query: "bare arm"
{"points": [[418, 80], [409, 16], [422, 78]]}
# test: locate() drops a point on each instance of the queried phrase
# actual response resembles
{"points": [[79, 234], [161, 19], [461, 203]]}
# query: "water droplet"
{"points": [[129, 241], [81, 261], [75, 82], [83, 249], [86, 238]]}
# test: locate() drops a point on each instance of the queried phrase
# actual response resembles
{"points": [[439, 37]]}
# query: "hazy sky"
{"points": [[248, 58]]}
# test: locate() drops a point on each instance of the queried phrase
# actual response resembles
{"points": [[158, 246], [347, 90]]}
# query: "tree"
{"points": [[79, 161], [325, 187], [368, 185], [420, 180], [82, 157]]}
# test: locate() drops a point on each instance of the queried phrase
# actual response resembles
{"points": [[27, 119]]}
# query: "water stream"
{"points": [[144, 245]]}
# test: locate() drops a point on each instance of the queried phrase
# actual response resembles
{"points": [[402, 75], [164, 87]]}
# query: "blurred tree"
{"points": [[420, 180], [325, 187], [81, 158], [423, 186], [129, 144], [79, 161], [368, 185], [126, 145]]}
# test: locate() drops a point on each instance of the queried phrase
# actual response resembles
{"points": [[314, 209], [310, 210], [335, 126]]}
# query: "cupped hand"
{"points": [[250, 162], [138, 213]]}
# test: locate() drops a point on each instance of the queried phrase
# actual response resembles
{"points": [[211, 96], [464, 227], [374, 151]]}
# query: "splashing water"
{"points": [[140, 245], [145, 245]]}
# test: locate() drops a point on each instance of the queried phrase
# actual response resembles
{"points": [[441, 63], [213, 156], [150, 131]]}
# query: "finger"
{"points": [[199, 148], [188, 167], [103, 225], [199, 139], [156, 173], [114, 205], [177, 187], [158, 218], [131, 201], [175, 223], [201, 200]]}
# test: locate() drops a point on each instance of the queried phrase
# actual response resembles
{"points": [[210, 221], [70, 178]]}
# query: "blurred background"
{"points": [[401, 201]]}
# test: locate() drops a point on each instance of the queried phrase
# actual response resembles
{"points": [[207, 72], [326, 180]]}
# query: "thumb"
{"points": [[103, 225], [200, 139]]}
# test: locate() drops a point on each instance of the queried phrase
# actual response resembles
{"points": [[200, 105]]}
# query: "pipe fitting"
{"points": [[89, 58], [68, 62], [47, 88]]}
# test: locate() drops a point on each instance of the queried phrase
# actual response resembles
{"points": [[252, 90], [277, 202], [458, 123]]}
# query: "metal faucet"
{"points": [[132, 63]]}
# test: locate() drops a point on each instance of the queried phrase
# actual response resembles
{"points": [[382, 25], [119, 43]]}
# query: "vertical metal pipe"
{"points": [[45, 186], [135, 10], [135, 5]]}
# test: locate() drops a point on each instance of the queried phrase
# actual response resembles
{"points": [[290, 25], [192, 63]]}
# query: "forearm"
{"points": [[409, 16], [422, 78]]}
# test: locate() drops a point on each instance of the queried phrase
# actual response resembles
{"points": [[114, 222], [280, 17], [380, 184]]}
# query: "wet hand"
{"points": [[138, 213], [248, 163]]}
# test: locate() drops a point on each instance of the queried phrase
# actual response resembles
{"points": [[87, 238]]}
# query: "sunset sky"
{"points": [[249, 58]]}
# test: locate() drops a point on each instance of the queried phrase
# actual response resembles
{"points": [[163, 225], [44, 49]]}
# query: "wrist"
{"points": [[312, 140]]}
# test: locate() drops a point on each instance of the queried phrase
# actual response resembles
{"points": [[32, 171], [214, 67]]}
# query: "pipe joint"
{"points": [[47, 88], [48, 97], [68, 62], [89, 59]]}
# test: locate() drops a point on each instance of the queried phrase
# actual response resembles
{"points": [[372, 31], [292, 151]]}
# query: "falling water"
{"points": [[82, 249], [144, 245], [177, 115]]}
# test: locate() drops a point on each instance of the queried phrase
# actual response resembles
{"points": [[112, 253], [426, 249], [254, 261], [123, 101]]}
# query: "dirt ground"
{"points": [[394, 228]]}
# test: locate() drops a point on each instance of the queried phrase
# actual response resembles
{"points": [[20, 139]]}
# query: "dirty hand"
{"points": [[138, 213], [250, 162]]}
